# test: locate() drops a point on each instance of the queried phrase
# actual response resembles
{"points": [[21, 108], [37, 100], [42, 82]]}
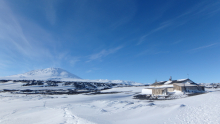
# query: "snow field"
{"points": [[117, 108]]}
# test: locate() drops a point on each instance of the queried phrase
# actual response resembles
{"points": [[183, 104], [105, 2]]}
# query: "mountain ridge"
{"points": [[58, 74], [45, 74]]}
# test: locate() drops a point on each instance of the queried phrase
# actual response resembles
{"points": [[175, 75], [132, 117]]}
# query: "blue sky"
{"points": [[133, 40]]}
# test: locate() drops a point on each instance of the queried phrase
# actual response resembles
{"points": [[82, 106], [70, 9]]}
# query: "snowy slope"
{"points": [[44, 74], [118, 108]]}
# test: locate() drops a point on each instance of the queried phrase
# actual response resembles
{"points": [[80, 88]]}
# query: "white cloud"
{"points": [[13, 37], [103, 53], [161, 27], [201, 9], [2, 65], [177, 42], [203, 47], [12, 34], [152, 51], [88, 71], [74, 61], [24, 41], [50, 11]]}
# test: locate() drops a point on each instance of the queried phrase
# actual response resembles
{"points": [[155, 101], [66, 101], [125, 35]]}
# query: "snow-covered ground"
{"points": [[118, 108]]}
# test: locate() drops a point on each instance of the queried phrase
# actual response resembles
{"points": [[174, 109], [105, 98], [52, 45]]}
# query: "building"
{"points": [[188, 87], [164, 87]]}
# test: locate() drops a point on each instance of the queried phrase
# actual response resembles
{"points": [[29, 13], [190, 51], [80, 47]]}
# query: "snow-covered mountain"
{"points": [[45, 74], [58, 74], [119, 81]]}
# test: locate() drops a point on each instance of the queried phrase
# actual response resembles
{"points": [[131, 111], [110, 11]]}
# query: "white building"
{"points": [[164, 87]]}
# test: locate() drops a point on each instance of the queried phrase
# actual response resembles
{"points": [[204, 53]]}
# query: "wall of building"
{"points": [[191, 88], [159, 91], [176, 87], [170, 89], [188, 88]]}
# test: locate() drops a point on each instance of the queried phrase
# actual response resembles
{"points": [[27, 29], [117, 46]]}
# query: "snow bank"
{"points": [[118, 108], [146, 91]]}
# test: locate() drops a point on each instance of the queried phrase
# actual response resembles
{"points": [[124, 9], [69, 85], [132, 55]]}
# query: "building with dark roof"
{"points": [[164, 87], [169, 82]]}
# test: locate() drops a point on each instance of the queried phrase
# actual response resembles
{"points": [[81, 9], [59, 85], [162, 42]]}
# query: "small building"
{"points": [[164, 87]]}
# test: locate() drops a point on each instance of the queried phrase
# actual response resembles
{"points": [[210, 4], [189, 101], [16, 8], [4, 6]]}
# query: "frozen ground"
{"points": [[118, 108]]}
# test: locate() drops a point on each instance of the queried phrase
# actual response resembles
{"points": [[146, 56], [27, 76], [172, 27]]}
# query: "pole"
{"points": [[184, 88]]}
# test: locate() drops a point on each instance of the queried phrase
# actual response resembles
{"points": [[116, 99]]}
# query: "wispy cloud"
{"points": [[177, 42], [74, 61], [88, 71], [92, 70], [2, 65], [50, 11], [199, 10], [151, 52], [204, 8], [202, 47], [210, 8], [103, 53], [24, 41], [13, 35], [161, 27], [11, 31]]}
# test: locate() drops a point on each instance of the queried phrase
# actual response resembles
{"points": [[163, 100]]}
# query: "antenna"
{"points": [[170, 78], [188, 76]]}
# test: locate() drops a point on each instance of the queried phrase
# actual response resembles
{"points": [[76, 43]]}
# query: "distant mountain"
{"points": [[119, 82], [58, 74], [45, 74]]}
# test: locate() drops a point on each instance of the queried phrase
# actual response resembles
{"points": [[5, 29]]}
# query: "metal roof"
{"points": [[182, 84], [172, 82]]}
